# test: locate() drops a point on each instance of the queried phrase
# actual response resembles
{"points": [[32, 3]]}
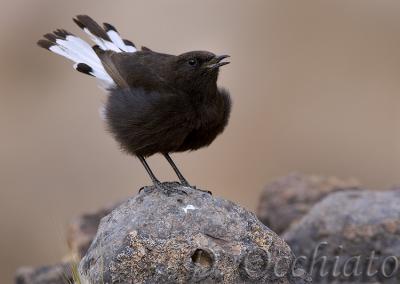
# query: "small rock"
{"points": [[177, 234], [359, 230], [289, 198], [82, 230], [55, 274]]}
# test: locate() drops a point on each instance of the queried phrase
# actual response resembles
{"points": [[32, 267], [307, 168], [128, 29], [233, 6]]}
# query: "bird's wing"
{"points": [[82, 54], [142, 69]]}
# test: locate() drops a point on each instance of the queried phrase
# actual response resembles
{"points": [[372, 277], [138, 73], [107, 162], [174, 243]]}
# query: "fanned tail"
{"points": [[106, 38], [81, 53]]}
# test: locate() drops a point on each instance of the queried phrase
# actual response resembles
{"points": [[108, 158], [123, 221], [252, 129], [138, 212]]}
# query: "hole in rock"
{"points": [[203, 258]]}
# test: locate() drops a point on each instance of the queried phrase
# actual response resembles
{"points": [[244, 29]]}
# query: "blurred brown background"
{"points": [[315, 85]]}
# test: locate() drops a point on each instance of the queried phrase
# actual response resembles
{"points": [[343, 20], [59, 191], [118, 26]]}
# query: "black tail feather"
{"points": [[109, 27], [62, 33], [84, 21], [45, 43], [84, 68], [129, 43]]}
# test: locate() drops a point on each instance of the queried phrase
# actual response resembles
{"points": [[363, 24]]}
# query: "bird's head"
{"points": [[197, 70]]}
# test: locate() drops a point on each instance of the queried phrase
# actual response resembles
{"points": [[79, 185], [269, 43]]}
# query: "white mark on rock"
{"points": [[188, 207]]}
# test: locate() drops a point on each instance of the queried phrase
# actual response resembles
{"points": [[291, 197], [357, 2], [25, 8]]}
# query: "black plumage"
{"points": [[158, 103]]}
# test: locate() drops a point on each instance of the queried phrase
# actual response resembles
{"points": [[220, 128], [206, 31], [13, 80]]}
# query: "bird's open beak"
{"points": [[216, 62]]}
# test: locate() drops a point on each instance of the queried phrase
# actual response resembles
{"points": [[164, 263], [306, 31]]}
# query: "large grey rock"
{"points": [[284, 201], [177, 234], [346, 226]]}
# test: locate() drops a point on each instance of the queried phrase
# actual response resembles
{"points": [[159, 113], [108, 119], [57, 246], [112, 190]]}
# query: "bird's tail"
{"points": [[81, 53]]}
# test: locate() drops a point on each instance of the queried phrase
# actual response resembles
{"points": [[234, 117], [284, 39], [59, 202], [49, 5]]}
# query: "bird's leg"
{"points": [[155, 181], [176, 170]]}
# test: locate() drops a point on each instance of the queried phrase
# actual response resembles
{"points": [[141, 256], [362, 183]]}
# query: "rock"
{"points": [[82, 230], [176, 234], [351, 227], [55, 274], [287, 199]]}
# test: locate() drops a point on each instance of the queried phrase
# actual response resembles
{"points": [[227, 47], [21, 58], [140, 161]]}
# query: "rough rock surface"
{"points": [[54, 274], [352, 223], [82, 230], [177, 234], [289, 198]]}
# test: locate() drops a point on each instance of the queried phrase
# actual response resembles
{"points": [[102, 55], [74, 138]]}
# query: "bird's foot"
{"points": [[172, 189], [156, 184], [169, 188], [148, 188], [184, 182]]}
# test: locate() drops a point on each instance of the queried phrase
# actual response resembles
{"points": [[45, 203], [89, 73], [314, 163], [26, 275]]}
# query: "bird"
{"points": [[157, 103]]}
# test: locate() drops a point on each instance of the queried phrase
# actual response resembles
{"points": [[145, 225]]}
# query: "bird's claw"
{"points": [[185, 183], [206, 191]]}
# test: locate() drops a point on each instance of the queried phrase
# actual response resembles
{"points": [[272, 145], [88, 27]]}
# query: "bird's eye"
{"points": [[192, 62]]}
